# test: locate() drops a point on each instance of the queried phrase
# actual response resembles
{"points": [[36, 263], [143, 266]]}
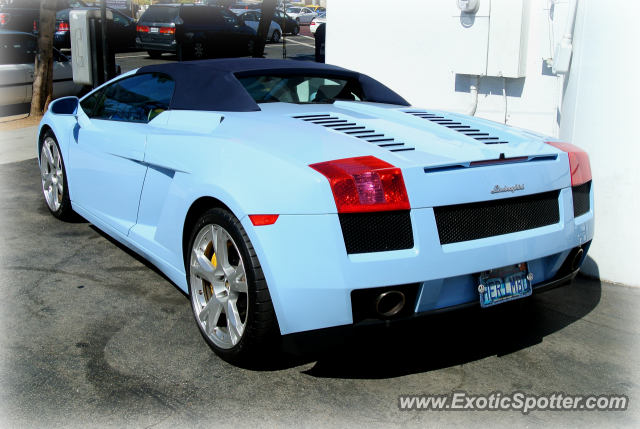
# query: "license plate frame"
{"points": [[504, 284], [154, 30]]}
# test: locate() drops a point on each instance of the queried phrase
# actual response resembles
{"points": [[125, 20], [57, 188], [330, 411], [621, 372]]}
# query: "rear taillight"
{"points": [[34, 26], [63, 27], [4, 18], [261, 220], [168, 30], [142, 29], [313, 23], [578, 162], [365, 184]]}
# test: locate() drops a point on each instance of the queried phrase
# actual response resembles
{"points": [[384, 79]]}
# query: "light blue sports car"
{"points": [[297, 203]]}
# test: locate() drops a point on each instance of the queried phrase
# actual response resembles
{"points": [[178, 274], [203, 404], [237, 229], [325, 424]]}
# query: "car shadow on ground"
{"points": [[439, 341], [457, 338]]}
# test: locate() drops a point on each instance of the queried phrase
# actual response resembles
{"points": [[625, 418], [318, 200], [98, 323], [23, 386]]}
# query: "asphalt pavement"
{"points": [[93, 336]]}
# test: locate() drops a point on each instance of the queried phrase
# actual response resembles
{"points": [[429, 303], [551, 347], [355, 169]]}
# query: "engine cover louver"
{"points": [[352, 128], [458, 125]]}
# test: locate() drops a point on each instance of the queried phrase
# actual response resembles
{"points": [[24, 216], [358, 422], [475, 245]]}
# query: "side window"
{"points": [[194, 15], [137, 98], [90, 102], [18, 49], [119, 19], [229, 17], [248, 17]]}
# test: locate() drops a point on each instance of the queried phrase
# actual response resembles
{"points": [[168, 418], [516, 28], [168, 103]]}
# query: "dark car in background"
{"points": [[288, 24], [122, 34], [18, 15], [193, 32]]}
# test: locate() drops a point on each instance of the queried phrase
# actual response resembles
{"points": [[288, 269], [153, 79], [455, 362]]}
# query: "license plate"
{"points": [[504, 284], [154, 30]]}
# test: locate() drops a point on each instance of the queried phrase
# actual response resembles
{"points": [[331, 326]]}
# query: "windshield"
{"points": [[301, 89], [160, 14]]}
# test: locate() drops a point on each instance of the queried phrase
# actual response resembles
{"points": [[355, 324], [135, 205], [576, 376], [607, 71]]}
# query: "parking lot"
{"points": [[300, 47], [94, 336]]}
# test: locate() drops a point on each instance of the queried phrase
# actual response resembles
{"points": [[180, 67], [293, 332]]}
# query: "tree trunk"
{"points": [[266, 16], [43, 73]]}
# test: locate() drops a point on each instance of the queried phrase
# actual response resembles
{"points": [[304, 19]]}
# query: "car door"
{"points": [[16, 52], [124, 32], [238, 36], [251, 20], [106, 167]]}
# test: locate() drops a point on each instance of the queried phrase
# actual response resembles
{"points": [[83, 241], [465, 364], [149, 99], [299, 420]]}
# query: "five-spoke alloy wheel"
{"points": [[54, 178], [219, 286], [228, 291]]}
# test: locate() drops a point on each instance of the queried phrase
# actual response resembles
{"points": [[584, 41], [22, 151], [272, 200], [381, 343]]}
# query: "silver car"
{"points": [[252, 19], [17, 66]]}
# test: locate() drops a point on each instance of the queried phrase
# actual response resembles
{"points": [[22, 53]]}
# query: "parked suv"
{"points": [[193, 31]]}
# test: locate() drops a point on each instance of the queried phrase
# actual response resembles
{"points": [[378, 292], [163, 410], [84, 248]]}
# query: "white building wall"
{"points": [[407, 47], [601, 114]]}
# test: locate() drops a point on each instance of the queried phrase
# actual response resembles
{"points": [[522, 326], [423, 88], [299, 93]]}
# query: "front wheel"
{"points": [[228, 292], [54, 178]]}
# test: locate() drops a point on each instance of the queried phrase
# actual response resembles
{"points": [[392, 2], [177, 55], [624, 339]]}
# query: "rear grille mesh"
{"points": [[581, 199], [465, 222], [376, 232]]}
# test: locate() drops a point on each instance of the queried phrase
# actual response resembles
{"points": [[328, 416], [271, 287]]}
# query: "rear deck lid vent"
{"points": [[456, 124], [353, 128]]}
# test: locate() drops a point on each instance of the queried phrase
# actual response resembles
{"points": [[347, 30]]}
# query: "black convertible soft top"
{"points": [[213, 84]]}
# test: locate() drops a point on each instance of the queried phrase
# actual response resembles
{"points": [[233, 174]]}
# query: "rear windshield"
{"points": [[293, 10], [301, 89], [63, 15], [160, 14]]}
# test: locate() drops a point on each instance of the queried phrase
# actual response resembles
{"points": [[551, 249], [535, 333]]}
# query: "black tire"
{"points": [[295, 30], [64, 210], [275, 37], [155, 54], [260, 339]]}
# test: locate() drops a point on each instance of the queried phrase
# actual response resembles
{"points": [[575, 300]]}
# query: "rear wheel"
{"points": [[195, 51], [228, 292], [275, 37], [295, 30], [155, 54], [54, 178]]}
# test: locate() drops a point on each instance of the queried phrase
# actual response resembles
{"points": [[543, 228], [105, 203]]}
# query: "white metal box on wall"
{"points": [[492, 41]]}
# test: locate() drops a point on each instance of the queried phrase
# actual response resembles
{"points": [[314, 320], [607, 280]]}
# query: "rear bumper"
{"points": [[164, 47], [313, 341], [311, 277]]}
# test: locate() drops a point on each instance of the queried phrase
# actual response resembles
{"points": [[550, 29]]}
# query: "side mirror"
{"points": [[65, 106]]}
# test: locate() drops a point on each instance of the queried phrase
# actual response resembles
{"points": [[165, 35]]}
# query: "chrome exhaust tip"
{"points": [[389, 303], [575, 264]]}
